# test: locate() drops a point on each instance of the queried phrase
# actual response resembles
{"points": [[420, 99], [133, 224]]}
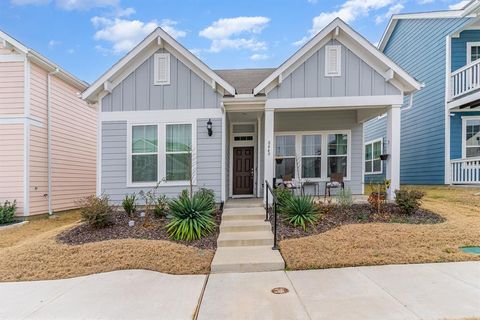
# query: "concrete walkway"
{"points": [[427, 291]]}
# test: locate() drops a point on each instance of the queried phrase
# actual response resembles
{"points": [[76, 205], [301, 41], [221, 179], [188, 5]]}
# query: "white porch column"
{"points": [[268, 169], [393, 143]]}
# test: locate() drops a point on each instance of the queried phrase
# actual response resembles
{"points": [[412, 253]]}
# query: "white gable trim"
{"points": [[408, 82], [157, 39]]}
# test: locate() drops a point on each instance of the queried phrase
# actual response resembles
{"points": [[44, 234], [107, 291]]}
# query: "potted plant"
{"points": [[130, 206]]}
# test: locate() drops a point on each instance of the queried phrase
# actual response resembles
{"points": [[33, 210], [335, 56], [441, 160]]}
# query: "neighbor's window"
{"points": [[311, 156], [178, 152], [337, 154], [285, 157], [144, 153], [472, 138], [373, 163], [161, 66]]}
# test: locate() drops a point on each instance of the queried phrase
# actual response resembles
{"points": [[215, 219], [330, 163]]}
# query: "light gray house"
{"points": [[164, 115]]}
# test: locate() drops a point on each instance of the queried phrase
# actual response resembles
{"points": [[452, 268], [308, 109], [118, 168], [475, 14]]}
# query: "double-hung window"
{"points": [[144, 150], [373, 163], [285, 157], [337, 155], [311, 156], [472, 137], [178, 152], [473, 51]]}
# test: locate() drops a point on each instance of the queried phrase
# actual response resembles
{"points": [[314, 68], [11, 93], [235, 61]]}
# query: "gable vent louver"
{"points": [[333, 61], [162, 69]]}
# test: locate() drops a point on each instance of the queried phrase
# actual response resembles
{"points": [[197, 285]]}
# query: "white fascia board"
{"points": [[322, 38], [97, 86], [357, 102], [172, 116], [387, 33], [16, 44]]}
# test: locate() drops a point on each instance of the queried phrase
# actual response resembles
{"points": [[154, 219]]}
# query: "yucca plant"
{"points": [[191, 218], [300, 211]]}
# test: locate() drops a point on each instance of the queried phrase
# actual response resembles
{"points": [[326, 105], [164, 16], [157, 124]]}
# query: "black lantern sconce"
{"points": [[209, 127]]}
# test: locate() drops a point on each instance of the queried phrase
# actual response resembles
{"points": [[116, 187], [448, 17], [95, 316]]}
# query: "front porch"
{"points": [[304, 146]]}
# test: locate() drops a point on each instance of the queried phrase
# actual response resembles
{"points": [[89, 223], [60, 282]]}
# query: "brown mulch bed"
{"points": [[334, 216], [147, 229]]}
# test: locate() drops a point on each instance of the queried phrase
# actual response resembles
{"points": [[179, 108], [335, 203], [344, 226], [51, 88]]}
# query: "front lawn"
{"points": [[32, 252], [375, 243]]}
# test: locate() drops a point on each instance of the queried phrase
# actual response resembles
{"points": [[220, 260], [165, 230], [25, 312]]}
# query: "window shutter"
{"points": [[333, 61], [162, 69]]}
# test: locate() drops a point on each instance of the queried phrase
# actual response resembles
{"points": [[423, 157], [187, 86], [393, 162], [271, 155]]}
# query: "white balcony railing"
{"points": [[465, 80], [466, 171]]}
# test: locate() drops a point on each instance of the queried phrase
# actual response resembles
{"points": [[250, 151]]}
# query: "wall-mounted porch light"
{"points": [[209, 127]]}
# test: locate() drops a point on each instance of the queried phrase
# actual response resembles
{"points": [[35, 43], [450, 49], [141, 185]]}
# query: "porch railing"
{"points": [[465, 80], [274, 212], [466, 171]]}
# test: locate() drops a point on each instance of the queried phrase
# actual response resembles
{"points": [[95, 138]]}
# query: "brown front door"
{"points": [[242, 170]]}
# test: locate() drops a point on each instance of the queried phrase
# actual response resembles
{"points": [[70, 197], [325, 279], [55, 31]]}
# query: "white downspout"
{"points": [[49, 140]]}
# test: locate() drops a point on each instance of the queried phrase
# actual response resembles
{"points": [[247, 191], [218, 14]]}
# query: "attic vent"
{"points": [[162, 69], [333, 62]]}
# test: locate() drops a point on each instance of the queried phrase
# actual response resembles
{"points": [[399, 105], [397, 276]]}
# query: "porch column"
{"points": [[268, 162], [393, 144]]}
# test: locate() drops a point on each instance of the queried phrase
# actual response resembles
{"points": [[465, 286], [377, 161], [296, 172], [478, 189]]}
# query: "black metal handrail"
{"points": [[274, 211]]}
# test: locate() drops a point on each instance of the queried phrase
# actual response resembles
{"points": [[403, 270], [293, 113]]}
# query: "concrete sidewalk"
{"points": [[424, 291]]}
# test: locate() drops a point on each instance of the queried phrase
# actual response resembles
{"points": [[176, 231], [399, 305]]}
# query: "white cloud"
{"points": [[29, 2], [53, 43], [349, 11], [121, 33], [236, 33], [458, 5], [169, 26], [259, 57], [125, 34], [396, 8], [425, 1]]}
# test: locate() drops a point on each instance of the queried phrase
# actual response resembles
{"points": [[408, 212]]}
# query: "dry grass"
{"points": [[377, 243], [31, 252]]}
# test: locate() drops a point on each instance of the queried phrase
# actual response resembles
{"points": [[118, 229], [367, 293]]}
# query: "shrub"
{"points": [[7, 211], [408, 200], [96, 211], [300, 210], [283, 195], [129, 204], [161, 206], [345, 198], [191, 218], [376, 200]]}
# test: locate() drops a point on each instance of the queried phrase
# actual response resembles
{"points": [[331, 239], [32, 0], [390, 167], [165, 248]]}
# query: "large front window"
{"points": [[178, 152], [473, 51], [144, 153], [311, 156], [285, 157], [373, 163], [337, 154], [472, 138]]}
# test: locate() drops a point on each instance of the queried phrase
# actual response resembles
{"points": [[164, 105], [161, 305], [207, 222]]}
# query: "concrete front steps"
{"points": [[245, 241]]}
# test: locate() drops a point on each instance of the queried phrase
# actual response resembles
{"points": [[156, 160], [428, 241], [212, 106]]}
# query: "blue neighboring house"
{"points": [[440, 130]]}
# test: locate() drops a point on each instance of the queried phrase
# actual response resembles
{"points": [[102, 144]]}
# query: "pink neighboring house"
{"points": [[47, 133]]}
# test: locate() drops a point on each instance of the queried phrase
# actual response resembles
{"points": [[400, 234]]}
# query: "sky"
{"points": [[86, 37]]}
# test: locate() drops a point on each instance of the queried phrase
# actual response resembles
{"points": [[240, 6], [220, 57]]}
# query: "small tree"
{"points": [[408, 200], [129, 204]]}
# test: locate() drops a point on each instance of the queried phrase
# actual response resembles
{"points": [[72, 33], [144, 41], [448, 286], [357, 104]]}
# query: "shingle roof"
{"points": [[244, 80]]}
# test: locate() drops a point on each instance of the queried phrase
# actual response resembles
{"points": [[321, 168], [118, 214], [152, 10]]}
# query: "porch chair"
{"points": [[336, 181]]}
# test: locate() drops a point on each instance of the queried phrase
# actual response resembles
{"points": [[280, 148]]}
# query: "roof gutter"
{"points": [[49, 138]]}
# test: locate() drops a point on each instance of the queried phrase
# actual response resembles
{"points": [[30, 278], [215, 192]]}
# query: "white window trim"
{"points": [[464, 134], [338, 48], [156, 81], [161, 149], [372, 142], [324, 170], [469, 50]]}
